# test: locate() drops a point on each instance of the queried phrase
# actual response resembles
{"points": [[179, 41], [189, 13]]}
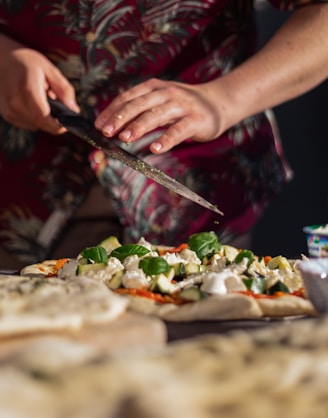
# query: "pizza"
{"points": [[201, 279], [36, 304]]}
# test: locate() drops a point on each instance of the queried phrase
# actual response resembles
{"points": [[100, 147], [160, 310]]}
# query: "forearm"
{"points": [[294, 61]]}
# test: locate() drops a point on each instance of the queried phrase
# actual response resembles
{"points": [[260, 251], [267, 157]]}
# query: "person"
{"points": [[193, 63]]}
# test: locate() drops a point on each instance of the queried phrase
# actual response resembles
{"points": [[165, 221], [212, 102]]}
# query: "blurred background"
{"points": [[304, 134]]}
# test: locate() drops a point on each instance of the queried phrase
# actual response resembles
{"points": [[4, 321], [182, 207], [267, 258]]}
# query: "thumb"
{"points": [[61, 89]]}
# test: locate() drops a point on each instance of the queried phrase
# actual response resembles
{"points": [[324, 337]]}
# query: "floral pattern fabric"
{"points": [[104, 47]]}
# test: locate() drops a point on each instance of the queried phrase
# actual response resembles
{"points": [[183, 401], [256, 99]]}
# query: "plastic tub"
{"points": [[317, 240]]}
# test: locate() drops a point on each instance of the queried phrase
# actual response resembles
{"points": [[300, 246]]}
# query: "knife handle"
{"points": [[58, 109]]}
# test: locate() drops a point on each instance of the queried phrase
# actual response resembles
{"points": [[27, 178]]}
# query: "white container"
{"points": [[315, 278], [317, 240]]}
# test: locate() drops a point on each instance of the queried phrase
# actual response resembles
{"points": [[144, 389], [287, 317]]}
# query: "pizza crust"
{"points": [[287, 305], [225, 307], [218, 307], [31, 305], [45, 268]]}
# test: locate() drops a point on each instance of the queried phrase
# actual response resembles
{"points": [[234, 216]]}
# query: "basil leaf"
{"points": [[277, 287], [129, 249], [245, 254], [255, 284], [204, 244], [98, 254], [154, 265]]}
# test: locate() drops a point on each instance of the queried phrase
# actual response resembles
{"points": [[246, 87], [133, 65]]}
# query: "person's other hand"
{"points": [[26, 78], [186, 111]]}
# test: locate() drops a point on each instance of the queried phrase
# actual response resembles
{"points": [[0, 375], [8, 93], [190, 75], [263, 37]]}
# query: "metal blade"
{"points": [[84, 129]]}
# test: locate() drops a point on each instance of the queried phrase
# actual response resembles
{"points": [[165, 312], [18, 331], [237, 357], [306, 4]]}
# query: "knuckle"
{"points": [[152, 82], [176, 131], [137, 127], [139, 102], [157, 111], [124, 97]]}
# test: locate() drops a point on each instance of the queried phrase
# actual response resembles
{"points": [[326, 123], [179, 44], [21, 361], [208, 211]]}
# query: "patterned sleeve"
{"points": [[293, 4]]}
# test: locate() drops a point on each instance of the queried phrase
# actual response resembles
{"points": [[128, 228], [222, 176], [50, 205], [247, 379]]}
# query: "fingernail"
{"points": [[74, 106], [156, 146], [107, 130], [126, 135]]}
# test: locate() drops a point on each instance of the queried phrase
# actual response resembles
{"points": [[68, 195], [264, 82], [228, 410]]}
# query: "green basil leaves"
{"points": [[154, 265], [205, 244], [129, 249], [96, 254]]}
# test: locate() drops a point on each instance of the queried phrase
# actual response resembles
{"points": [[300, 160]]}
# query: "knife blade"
{"points": [[85, 129]]}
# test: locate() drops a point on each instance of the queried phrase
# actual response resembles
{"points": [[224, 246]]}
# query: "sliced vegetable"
{"points": [[116, 281], [178, 249], [205, 244], [192, 268], [279, 262], [164, 285], [129, 249], [192, 294], [230, 252], [255, 284], [179, 269], [83, 260], [110, 243], [277, 287], [170, 274], [86, 268], [245, 254]]}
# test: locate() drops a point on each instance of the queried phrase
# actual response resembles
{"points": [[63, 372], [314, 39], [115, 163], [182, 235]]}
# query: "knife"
{"points": [[85, 129]]}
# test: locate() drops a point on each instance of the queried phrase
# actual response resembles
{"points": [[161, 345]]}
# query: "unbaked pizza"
{"points": [[37, 304], [197, 280]]}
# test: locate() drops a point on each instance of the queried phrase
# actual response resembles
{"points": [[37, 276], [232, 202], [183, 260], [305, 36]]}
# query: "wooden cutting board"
{"points": [[129, 331]]}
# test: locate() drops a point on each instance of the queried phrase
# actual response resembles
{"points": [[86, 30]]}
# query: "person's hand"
{"points": [[292, 62], [26, 78], [186, 112]]}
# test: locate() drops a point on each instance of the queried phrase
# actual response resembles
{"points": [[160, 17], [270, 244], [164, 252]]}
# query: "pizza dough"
{"points": [[278, 371], [218, 307], [225, 307], [286, 305], [34, 304]]}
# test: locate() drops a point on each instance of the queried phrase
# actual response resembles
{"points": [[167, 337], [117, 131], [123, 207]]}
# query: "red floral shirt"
{"points": [[103, 48]]}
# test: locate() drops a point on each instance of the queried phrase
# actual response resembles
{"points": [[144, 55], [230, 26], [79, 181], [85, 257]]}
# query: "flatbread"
{"points": [[34, 304]]}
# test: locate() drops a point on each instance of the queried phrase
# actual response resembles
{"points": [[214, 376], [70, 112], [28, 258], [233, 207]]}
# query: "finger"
{"points": [[178, 132], [143, 114], [126, 106], [150, 120], [38, 101], [60, 88]]}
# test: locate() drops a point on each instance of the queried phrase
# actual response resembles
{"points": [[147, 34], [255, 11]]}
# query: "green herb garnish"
{"points": [[129, 249], [205, 244], [96, 254], [154, 265]]}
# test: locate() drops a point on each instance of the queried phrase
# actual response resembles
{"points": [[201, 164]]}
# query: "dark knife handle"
{"points": [[58, 109]]}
